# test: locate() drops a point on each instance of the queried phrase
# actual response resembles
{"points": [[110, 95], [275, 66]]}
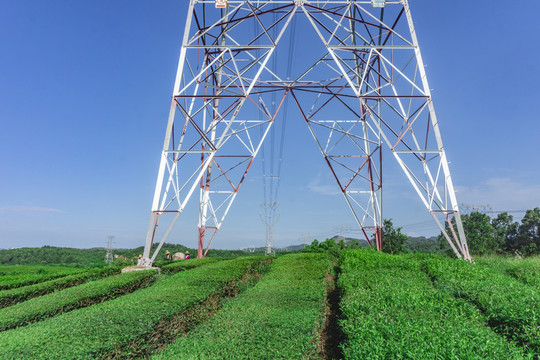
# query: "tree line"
{"points": [[500, 234], [485, 235]]}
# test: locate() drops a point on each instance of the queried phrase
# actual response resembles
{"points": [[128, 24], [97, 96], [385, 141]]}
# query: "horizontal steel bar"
{"points": [[391, 47], [359, 191], [191, 151], [211, 46], [417, 151]]}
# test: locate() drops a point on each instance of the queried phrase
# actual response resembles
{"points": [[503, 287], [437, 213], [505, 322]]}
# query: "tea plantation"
{"points": [[358, 304]]}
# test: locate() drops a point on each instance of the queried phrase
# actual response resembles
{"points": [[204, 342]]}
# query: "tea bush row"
{"points": [[73, 298], [17, 276], [13, 296], [511, 307], [8, 270], [275, 319], [526, 270], [95, 331], [182, 265], [392, 311]]}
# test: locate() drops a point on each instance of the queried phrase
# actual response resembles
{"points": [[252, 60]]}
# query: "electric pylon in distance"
{"points": [[367, 88]]}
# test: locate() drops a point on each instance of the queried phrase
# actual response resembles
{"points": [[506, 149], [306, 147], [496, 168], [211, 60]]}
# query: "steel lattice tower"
{"points": [[368, 89]]}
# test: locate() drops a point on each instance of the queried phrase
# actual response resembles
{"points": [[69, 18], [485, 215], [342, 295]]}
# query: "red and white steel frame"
{"points": [[369, 87]]}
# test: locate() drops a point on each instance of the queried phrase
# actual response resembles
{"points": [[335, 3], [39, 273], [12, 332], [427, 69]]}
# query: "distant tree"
{"points": [[506, 230], [482, 237], [528, 238], [313, 247], [393, 240]]}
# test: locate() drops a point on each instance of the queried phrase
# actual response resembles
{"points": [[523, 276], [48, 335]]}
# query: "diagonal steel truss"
{"points": [[368, 88]]}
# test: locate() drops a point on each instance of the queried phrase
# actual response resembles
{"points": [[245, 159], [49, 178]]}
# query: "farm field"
{"points": [[358, 304]]}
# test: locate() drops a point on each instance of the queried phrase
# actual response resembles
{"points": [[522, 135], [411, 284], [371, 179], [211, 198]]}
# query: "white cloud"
{"points": [[316, 186], [28, 210], [503, 194]]}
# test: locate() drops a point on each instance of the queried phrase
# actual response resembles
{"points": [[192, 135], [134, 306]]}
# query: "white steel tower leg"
{"points": [[209, 142]]}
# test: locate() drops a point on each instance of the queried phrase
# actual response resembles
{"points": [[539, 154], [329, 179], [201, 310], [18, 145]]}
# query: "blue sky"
{"points": [[84, 95]]}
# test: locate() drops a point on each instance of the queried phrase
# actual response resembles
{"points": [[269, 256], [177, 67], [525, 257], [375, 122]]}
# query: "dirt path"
{"points": [[331, 334]]}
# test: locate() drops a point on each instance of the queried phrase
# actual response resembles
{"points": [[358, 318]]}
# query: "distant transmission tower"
{"points": [[109, 253], [363, 84], [269, 213], [484, 209]]}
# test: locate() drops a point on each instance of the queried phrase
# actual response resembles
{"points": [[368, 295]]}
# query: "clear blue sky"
{"points": [[85, 90]]}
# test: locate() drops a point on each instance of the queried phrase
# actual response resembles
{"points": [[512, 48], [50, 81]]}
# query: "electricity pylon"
{"points": [[367, 88], [109, 258]]}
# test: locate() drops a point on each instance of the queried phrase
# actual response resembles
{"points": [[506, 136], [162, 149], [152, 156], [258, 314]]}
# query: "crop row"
{"points": [[73, 298], [28, 275], [8, 270], [511, 307], [526, 271], [392, 311], [276, 319], [13, 296], [182, 265], [97, 332]]}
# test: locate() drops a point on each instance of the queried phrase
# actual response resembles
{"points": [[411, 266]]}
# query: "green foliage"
{"points": [[512, 308], [525, 270], [10, 270], [486, 235], [391, 311], [95, 257], [507, 230], [52, 255], [482, 236], [181, 265], [21, 275], [12, 296], [276, 319], [528, 239], [73, 298], [393, 240], [421, 244], [91, 332], [330, 246]]}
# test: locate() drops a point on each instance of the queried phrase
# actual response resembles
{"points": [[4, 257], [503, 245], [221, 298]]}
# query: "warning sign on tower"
{"points": [[221, 3]]}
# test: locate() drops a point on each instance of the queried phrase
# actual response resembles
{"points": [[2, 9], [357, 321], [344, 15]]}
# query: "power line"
{"points": [[269, 209]]}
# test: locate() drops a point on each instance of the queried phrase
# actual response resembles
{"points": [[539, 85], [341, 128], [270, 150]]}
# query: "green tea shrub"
{"points": [[94, 332], [392, 311], [275, 319], [511, 307], [73, 298], [13, 296]]}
